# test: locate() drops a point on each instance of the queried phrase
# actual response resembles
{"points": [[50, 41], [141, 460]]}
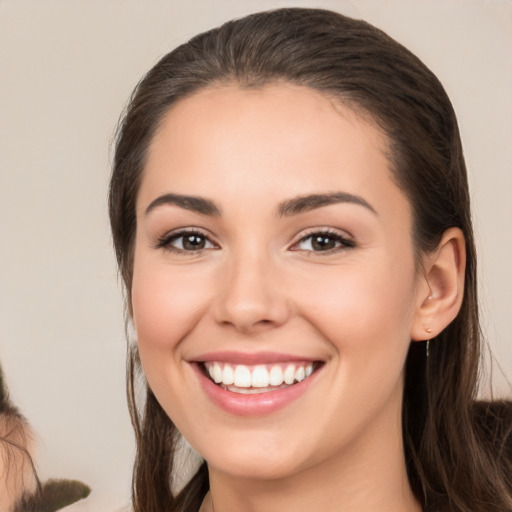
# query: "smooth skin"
{"points": [[253, 279]]}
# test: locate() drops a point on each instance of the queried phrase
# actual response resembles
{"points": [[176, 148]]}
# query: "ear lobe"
{"points": [[440, 299]]}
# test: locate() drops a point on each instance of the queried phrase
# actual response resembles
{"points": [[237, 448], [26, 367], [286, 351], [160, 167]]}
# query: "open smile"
{"points": [[255, 389], [261, 378]]}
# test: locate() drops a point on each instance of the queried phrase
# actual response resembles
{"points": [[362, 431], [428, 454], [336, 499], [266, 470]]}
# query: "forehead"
{"points": [[276, 111], [277, 140]]}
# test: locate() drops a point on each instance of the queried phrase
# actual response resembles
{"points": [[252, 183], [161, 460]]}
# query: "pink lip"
{"points": [[254, 404], [249, 359]]}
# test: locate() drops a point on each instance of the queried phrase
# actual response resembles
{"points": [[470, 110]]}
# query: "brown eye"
{"points": [[186, 241], [193, 242], [323, 242]]}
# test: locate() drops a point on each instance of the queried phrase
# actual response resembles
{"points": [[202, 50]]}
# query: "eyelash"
{"points": [[166, 241], [344, 243]]}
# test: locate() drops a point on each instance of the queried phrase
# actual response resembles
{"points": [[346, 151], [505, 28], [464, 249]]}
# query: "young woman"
{"points": [[290, 213]]}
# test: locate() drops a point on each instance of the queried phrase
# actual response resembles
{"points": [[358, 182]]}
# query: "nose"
{"points": [[251, 298]]}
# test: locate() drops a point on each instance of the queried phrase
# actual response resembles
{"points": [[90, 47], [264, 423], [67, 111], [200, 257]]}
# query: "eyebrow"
{"points": [[311, 202], [287, 208], [192, 203]]}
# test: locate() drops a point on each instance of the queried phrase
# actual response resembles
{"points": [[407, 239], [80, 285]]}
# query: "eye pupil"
{"points": [[193, 242], [323, 243]]}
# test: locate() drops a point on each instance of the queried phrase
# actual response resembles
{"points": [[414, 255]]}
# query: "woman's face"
{"points": [[274, 252]]}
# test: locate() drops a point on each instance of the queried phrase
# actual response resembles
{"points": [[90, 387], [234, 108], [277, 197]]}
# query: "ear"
{"points": [[440, 294]]}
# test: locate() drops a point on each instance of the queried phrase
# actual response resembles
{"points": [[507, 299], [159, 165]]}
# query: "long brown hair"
{"points": [[458, 451]]}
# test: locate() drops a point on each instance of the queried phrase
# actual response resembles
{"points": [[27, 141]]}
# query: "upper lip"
{"points": [[247, 358]]}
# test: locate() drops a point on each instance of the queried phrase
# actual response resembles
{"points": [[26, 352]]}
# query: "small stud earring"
{"points": [[428, 329]]}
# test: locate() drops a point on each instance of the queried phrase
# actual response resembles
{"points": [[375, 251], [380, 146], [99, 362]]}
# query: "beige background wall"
{"points": [[66, 70]]}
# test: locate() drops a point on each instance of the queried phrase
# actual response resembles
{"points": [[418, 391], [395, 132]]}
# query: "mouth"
{"points": [[259, 378]]}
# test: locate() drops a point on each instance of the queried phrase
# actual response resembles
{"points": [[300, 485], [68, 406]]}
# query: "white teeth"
{"points": [[259, 378], [217, 373], [289, 374], [242, 377], [276, 376], [228, 375]]}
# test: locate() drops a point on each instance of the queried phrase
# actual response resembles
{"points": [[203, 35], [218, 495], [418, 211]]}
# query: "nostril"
{"points": [[249, 297]]}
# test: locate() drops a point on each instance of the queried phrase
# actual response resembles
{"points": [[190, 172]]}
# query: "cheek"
{"points": [[166, 305], [365, 317], [361, 311]]}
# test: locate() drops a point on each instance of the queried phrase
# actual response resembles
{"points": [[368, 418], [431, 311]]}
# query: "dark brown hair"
{"points": [[458, 451]]}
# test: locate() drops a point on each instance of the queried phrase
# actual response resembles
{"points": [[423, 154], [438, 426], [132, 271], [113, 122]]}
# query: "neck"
{"points": [[368, 476]]}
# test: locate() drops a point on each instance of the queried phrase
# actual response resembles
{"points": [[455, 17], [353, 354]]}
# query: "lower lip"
{"points": [[257, 404]]}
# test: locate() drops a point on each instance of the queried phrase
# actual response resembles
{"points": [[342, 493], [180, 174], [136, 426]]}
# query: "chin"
{"points": [[262, 459], [264, 468]]}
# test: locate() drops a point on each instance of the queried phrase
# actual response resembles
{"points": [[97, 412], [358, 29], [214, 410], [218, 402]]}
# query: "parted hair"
{"points": [[458, 450]]}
